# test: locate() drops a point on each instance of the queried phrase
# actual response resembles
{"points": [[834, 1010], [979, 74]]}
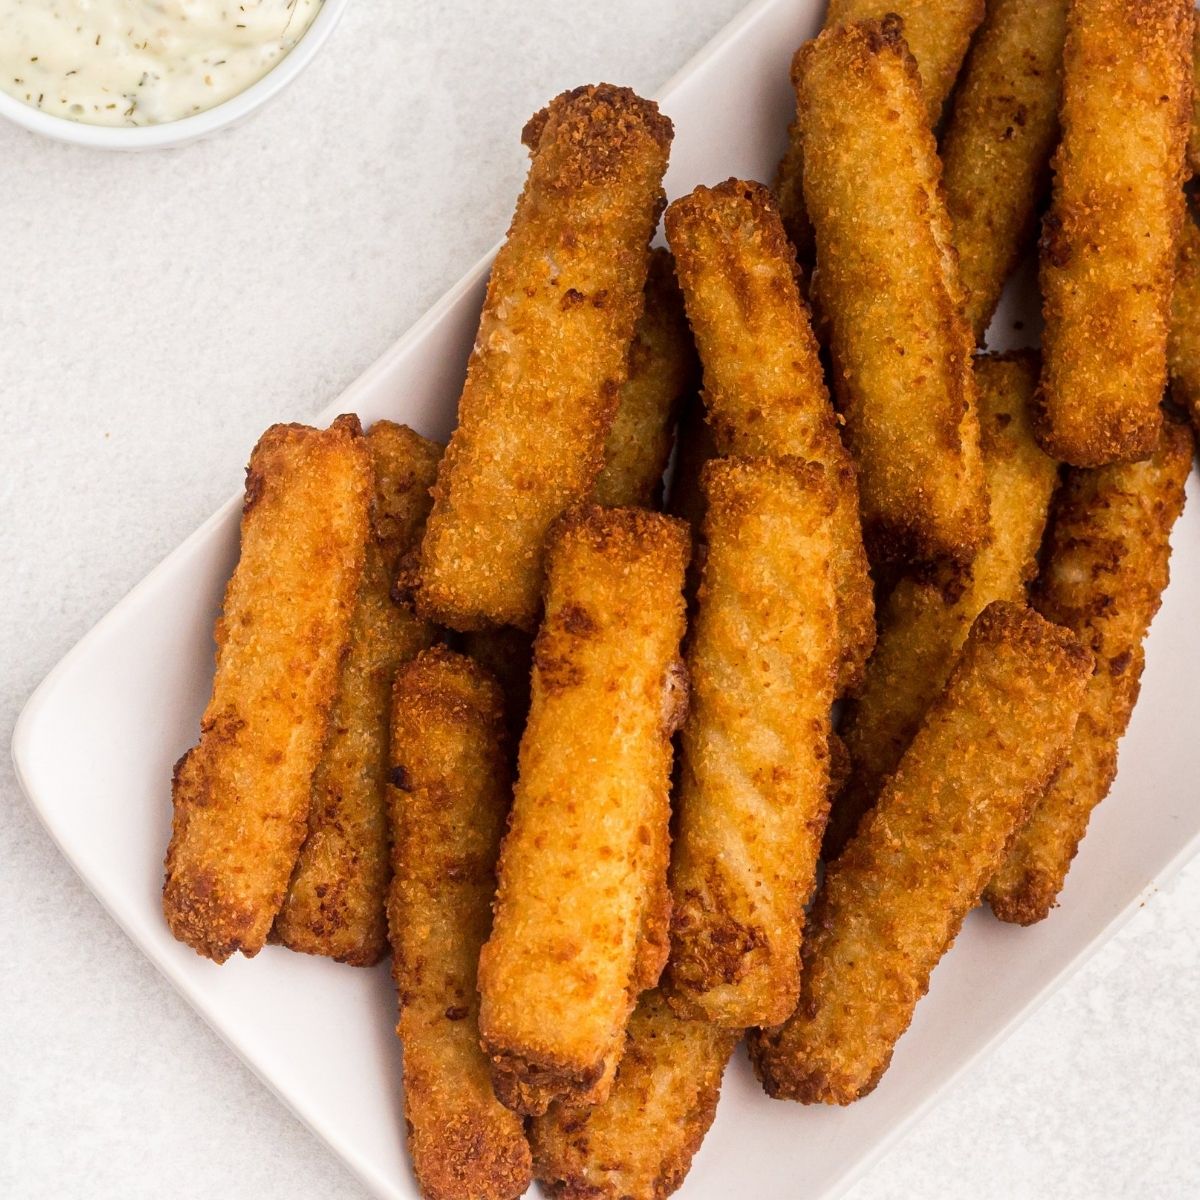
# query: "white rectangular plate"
{"points": [[95, 746]]}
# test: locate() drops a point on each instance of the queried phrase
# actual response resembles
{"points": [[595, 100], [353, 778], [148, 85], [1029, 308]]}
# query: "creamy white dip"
{"points": [[142, 62]]}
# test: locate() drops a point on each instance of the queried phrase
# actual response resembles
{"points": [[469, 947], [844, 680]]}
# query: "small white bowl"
{"points": [[187, 129]]}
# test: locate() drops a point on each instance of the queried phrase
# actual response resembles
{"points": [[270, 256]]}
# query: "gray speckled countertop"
{"points": [[157, 313]]}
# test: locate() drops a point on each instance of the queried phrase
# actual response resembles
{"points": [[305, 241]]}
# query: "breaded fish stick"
{"points": [[753, 792], [336, 899], [550, 356], [449, 796], [893, 903], [242, 795], [764, 388], [662, 372], [938, 33], [887, 285], [1104, 577], [582, 907], [1109, 239], [638, 1144], [1183, 344], [922, 629], [997, 145]]}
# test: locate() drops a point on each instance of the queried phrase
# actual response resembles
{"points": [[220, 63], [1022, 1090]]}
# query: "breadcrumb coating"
{"points": [[996, 150], [662, 372], [922, 628], [550, 356], [582, 909], [887, 285], [938, 33], [1183, 343], [764, 388], [1109, 239], [1105, 572], [336, 899], [639, 1143], [448, 797], [241, 796], [1194, 131], [753, 792], [893, 903]]}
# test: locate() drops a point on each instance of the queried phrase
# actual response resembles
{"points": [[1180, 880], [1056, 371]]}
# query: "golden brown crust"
{"points": [[1106, 568], [938, 33], [922, 628], [639, 1143], [753, 792], [1183, 344], [578, 928], [662, 372], [1193, 150], [241, 795], [448, 796], [892, 904], [997, 146], [887, 285], [550, 356], [1108, 243], [764, 388], [336, 898]]}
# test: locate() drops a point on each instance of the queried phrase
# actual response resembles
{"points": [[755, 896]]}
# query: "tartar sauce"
{"points": [[142, 62]]}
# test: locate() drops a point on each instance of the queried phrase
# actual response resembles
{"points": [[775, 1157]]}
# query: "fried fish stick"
{"points": [[887, 285], [638, 1144], [1109, 239], [764, 388], [922, 629], [938, 33], [997, 145], [893, 903], [335, 901], [241, 795], [662, 371], [1183, 345], [550, 356], [753, 791], [1104, 577], [582, 908], [448, 797]]}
